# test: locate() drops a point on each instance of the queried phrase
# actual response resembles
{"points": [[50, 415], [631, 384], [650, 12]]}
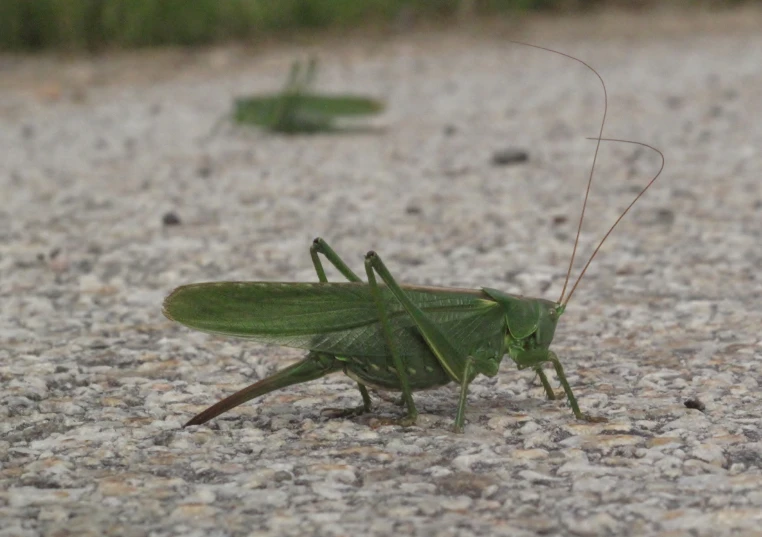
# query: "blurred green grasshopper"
{"points": [[385, 335], [297, 110]]}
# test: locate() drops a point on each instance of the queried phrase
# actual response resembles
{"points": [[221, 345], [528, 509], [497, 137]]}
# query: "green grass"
{"points": [[96, 24]]}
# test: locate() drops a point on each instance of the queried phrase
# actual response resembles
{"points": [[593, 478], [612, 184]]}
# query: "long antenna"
{"points": [[595, 156], [606, 236]]}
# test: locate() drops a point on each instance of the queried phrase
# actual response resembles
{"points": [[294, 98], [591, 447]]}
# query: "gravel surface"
{"points": [[96, 383]]}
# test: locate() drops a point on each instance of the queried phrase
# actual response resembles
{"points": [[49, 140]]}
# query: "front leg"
{"points": [[545, 384], [535, 358]]}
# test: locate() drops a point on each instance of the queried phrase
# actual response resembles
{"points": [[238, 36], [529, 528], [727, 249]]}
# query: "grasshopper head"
{"points": [[549, 314], [531, 322]]}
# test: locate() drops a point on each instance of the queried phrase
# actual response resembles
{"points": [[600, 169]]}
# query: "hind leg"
{"points": [[319, 246]]}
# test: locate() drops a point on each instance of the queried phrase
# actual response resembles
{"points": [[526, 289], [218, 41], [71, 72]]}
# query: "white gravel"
{"points": [[96, 383]]}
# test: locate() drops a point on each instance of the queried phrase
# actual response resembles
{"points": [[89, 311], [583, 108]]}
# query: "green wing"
{"points": [[266, 111], [335, 318], [260, 111], [338, 105]]}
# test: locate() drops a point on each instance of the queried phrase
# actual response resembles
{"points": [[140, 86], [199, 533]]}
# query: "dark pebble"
{"points": [[509, 156], [170, 219], [204, 170], [695, 404]]}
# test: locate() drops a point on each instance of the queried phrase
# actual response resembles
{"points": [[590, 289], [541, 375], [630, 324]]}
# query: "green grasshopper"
{"points": [[385, 335], [296, 109]]}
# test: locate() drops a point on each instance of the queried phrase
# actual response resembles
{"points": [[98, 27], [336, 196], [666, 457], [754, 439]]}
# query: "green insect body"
{"points": [[298, 110], [385, 335]]}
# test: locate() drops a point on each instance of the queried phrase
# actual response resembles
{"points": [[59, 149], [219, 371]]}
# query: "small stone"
{"points": [[457, 503], [695, 404], [508, 156], [674, 101], [193, 510], [205, 169], [464, 484], [282, 475], [596, 524], [710, 453], [170, 219]]}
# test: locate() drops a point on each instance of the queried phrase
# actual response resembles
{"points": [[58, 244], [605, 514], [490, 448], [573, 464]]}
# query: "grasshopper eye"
{"points": [[552, 312]]}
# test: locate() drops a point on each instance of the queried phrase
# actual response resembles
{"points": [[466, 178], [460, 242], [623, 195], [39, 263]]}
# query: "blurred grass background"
{"points": [[28, 25]]}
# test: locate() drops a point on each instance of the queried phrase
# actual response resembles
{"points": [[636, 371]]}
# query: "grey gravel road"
{"points": [[96, 384]]}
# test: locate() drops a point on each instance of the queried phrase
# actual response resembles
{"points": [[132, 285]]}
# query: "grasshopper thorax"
{"points": [[531, 322]]}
